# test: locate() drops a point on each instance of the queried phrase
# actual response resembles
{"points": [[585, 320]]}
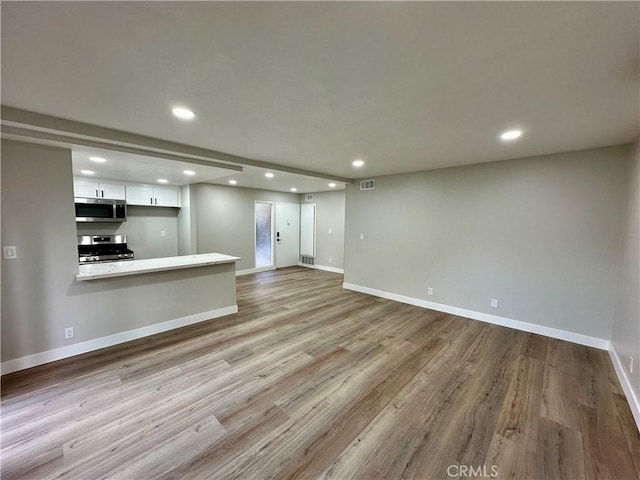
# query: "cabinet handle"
{"points": [[97, 194], [151, 200], [156, 200], [102, 193]]}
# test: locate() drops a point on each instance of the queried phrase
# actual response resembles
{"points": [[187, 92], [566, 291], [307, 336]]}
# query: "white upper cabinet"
{"points": [[166, 196], [134, 194], [139, 195], [112, 190], [95, 189], [85, 188], [152, 196]]}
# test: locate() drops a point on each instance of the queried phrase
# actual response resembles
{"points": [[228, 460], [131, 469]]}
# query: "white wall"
{"points": [[225, 219], [329, 217], [539, 234], [626, 323]]}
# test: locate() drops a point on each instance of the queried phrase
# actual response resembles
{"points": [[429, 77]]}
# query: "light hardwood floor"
{"points": [[312, 381]]}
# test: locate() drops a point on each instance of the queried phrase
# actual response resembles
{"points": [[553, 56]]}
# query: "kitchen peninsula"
{"points": [[135, 267], [115, 302]]}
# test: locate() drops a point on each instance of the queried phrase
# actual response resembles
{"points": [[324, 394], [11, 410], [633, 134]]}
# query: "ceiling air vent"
{"points": [[308, 197], [367, 184]]}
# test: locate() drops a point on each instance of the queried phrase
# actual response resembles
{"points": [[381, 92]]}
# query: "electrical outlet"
{"points": [[331, 231], [494, 303], [429, 291], [630, 363], [163, 233], [330, 260], [69, 333], [9, 253], [362, 236]]}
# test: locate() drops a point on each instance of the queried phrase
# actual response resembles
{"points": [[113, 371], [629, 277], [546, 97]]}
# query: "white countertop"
{"points": [[134, 267]]}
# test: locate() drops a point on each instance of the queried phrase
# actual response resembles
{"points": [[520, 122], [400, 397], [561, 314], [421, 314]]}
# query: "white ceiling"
{"points": [[129, 167], [405, 86], [140, 168]]}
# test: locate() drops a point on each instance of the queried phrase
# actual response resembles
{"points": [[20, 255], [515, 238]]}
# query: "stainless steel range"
{"points": [[103, 248]]}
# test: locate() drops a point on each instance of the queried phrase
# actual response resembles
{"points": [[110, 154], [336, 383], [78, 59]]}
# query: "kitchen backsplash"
{"points": [[144, 228]]}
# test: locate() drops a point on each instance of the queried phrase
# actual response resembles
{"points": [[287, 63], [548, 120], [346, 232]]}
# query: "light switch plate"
{"points": [[9, 253]]}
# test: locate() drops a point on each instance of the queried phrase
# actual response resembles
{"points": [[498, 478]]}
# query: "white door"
{"points": [[287, 234]]}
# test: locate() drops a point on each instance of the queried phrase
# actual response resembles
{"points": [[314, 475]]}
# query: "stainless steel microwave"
{"points": [[100, 210]]}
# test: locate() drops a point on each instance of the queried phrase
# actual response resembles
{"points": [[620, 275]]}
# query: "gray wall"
{"points": [[225, 219], [540, 234], [38, 218], [329, 216], [186, 223], [143, 229], [40, 296], [626, 323]]}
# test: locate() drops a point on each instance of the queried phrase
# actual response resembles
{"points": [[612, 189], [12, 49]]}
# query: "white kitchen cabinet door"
{"points": [[96, 189], [165, 196], [85, 188], [139, 195], [112, 190], [152, 196]]}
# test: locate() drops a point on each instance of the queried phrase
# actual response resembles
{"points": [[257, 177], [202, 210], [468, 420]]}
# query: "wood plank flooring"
{"points": [[312, 381]]}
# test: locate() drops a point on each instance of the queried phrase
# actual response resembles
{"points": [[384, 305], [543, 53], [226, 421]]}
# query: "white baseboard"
{"points": [[249, 271], [632, 398], [110, 340], [595, 342], [322, 267]]}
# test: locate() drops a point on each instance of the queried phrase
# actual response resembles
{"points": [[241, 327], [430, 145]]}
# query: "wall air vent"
{"points": [[308, 197], [306, 260], [367, 184]]}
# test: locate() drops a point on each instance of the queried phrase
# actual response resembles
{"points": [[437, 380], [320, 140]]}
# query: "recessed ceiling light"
{"points": [[87, 172], [268, 175], [189, 172], [233, 182], [294, 189], [511, 135], [183, 113], [358, 163], [332, 185], [163, 180], [98, 159]]}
